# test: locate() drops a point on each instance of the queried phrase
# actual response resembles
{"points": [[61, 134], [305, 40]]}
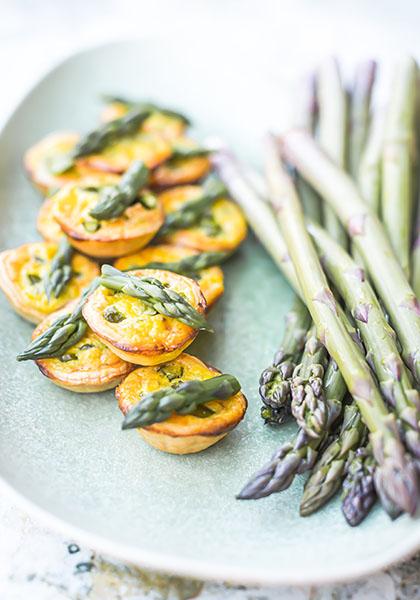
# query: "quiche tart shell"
{"points": [[227, 216], [114, 237], [19, 265], [181, 434], [143, 336]]}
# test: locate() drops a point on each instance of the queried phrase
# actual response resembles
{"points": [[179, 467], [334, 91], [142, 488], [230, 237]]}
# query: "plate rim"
{"points": [[171, 564]]}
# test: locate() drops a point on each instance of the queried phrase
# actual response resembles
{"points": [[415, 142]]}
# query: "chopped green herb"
{"points": [[203, 412], [68, 357], [91, 226], [148, 200], [33, 278], [86, 346], [39, 260], [172, 372], [113, 315]]}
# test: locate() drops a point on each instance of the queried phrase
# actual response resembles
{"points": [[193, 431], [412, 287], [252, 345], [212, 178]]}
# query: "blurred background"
{"points": [[36, 34]]}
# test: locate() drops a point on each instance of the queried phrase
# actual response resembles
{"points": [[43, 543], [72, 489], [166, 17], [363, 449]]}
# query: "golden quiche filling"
{"points": [[222, 227], [182, 434], [88, 366], [209, 279], [134, 330], [22, 274]]}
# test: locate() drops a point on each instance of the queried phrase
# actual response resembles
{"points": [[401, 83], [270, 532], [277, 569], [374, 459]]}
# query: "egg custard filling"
{"points": [[221, 227], [22, 274], [132, 230], [88, 366], [209, 279], [136, 331], [181, 434]]}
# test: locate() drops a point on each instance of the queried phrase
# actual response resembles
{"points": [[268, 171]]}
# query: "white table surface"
{"points": [[38, 564]]}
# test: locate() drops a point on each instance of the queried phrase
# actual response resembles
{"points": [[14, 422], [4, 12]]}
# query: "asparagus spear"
{"points": [[60, 271], [154, 293], [368, 235], [300, 454], [359, 112], [358, 488], [113, 200], [190, 266], [332, 132], [383, 352], [307, 109], [415, 256], [62, 334], [141, 105], [328, 472], [397, 470], [103, 136], [397, 188], [183, 399], [274, 387], [369, 171], [308, 401], [191, 212], [181, 152]]}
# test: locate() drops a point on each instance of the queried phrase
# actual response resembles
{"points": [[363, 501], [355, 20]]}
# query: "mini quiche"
{"points": [[88, 366], [135, 331], [181, 434], [222, 227], [22, 271], [106, 238], [170, 127], [38, 162], [210, 279]]}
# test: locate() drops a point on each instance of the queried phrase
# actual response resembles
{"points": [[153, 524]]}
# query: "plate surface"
{"points": [[65, 454]]}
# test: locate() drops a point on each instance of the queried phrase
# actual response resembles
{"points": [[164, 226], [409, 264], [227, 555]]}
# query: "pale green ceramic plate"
{"points": [[65, 454]]}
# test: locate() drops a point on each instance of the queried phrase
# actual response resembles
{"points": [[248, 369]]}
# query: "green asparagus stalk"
{"points": [[309, 406], [60, 271], [397, 470], [98, 139], [332, 132], [368, 236], [154, 293], [62, 334], [328, 472], [359, 113], [305, 117], [274, 385], [181, 152], [299, 455], [397, 169], [140, 105], [113, 200], [191, 212], [380, 341], [359, 493], [369, 170], [415, 256], [190, 266], [183, 399]]}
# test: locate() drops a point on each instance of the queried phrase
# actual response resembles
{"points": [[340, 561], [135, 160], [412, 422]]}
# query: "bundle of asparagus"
{"points": [[367, 325]]}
